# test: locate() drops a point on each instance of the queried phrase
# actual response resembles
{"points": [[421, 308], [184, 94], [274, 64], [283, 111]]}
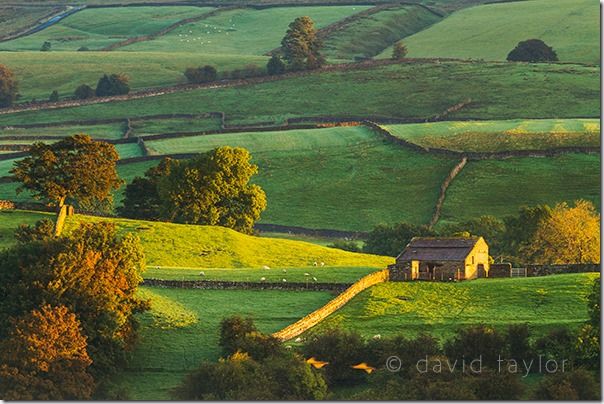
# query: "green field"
{"points": [[500, 187], [100, 27], [369, 35], [497, 91], [241, 31], [183, 328], [491, 31], [311, 177], [101, 131], [153, 126], [496, 136], [39, 73], [305, 274], [410, 308]]}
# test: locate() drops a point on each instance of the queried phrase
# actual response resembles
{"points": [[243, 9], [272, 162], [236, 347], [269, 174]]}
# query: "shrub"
{"points": [[532, 50], [345, 245], [115, 84], [275, 66], [232, 331], [476, 342], [574, 385], [203, 74], [83, 49], [399, 51], [8, 87], [84, 92], [558, 345], [43, 230], [54, 96], [492, 385], [390, 240], [46, 46]]}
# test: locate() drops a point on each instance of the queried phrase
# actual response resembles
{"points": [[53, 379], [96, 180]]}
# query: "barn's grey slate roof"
{"points": [[438, 249]]}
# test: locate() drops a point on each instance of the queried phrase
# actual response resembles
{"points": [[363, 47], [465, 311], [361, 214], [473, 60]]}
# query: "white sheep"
{"points": [[284, 271], [322, 264], [262, 279], [284, 280], [314, 264], [377, 336], [266, 267], [202, 273], [314, 279]]}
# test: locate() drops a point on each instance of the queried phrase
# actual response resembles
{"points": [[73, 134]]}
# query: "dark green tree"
{"points": [[301, 46], [399, 51], [275, 66], [84, 92], [391, 240], [46, 46], [8, 87], [204, 74], [114, 84], [532, 50], [54, 96], [575, 385]]}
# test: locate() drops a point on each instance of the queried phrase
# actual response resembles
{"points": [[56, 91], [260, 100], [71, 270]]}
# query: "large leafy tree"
{"points": [[92, 271], [570, 234], [532, 50], [77, 169], [301, 46], [8, 87], [45, 358], [392, 239], [114, 84]]}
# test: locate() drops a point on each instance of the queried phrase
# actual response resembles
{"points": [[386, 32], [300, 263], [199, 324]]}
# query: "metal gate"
{"points": [[517, 272]]}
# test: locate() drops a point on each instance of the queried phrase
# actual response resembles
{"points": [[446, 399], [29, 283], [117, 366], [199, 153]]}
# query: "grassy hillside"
{"points": [[182, 329], [39, 73], [491, 31], [101, 131], [14, 19], [241, 31], [99, 27], [499, 187], [495, 136], [369, 35], [498, 91], [308, 174], [439, 308]]}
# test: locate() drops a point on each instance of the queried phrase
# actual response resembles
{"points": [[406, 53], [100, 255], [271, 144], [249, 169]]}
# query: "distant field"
{"points": [[14, 19], [500, 187], [182, 329], [153, 126], [305, 274], [99, 27], [497, 91], [495, 136], [311, 177], [242, 31], [39, 73], [368, 36], [491, 31], [101, 131], [410, 308]]}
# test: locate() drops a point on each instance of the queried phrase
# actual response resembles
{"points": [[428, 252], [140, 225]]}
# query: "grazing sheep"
{"points": [[299, 339], [377, 336], [322, 264], [314, 279], [306, 274], [202, 273], [314, 264], [285, 271], [266, 267], [284, 280], [262, 279]]}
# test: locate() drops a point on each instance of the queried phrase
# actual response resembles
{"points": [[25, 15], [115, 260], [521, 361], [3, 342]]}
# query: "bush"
{"points": [[46, 46], [399, 51], [43, 230], [575, 385], [558, 345], [84, 92], [115, 84], [345, 245], [8, 87], [494, 385], [390, 240], [205, 74], [518, 343], [476, 342], [54, 96], [83, 49], [232, 331], [275, 66], [532, 50]]}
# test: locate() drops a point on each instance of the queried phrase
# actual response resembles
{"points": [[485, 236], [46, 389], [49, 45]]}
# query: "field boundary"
{"points": [[234, 285], [59, 13], [443, 190], [314, 318]]}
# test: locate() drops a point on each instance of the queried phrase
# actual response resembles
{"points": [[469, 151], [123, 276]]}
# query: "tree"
{"points": [[489, 227], [301, 45], [520, 230], [399, 51], [45, 358], [532, 50], [8, 87], [115, 84], [232, 331], [92, 272], [141, 198], [75, 169], [54, 96], [46, 46], [275, 66], [41, 231], [390, 240], [204, 74], [213, 189], [568, 235], [84, 92], [574, 385], [588, 340]]}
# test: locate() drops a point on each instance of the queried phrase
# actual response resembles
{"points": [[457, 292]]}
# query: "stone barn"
{"points": [[442, 259]]}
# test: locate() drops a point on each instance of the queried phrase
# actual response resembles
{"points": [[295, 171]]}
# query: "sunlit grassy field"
{"points": [[495, 136], [368, 36], [500, 187], [497, 91], [437, 308], [98, 27], [242, 31], [491, 31], [311, 177], [182, 329], [100, 131]]}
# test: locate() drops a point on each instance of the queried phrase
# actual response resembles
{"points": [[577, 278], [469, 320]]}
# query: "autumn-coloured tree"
{"points": [[8, 87], [77, 169], [213, 189], [399, 51], [93, 272], [45, 358], [301, 46], [571, 234]]}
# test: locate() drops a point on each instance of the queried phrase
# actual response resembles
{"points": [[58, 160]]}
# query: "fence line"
{"points": [[320, 314]]}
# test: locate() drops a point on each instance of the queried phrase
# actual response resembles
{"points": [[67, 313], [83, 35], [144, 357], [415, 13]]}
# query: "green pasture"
{"points": [[437, 308], [491, 31], [171, 125], [321, 240], [305, 275], [100, 131], [39, 73], [245, 31], [367, 36], [182, 329], [99, 27], [14, 19], [312, 177], [11, 219], [500, 187], [496, 136], [497, 91], [128, 150]]}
